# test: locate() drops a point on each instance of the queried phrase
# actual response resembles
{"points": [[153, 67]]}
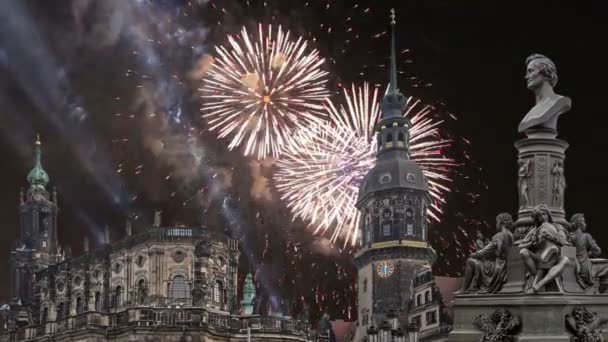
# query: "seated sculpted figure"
{"points": [[486, 269], [586, 248], [540, 250]]}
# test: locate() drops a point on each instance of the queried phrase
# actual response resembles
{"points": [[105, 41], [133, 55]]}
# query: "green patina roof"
{"points": [[38, 178]]}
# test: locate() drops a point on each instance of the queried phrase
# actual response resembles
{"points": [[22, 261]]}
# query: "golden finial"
{"points": [[393, 22], [37, 139]]}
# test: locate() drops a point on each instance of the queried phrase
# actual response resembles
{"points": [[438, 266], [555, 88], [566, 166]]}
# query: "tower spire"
{"points": [[393, 77], [38, 178], [393, 102]]}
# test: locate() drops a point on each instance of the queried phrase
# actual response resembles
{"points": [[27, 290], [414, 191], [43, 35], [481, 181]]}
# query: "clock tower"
{"points": [[36, 247], [393, 200]]}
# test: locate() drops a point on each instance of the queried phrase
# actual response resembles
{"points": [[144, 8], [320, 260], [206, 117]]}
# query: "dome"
{"points": [[392, 174], [38, 178]]}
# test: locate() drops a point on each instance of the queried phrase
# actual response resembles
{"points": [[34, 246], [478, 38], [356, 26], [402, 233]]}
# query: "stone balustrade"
{"points": [[154, 317]]}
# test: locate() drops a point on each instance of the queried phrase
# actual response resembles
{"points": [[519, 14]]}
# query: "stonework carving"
{"points": [[486, 269], [540, 251], [559, 183], [498, 326], [542, 173], [525, 174], [586, 326], [178, 256], [541, 77]]}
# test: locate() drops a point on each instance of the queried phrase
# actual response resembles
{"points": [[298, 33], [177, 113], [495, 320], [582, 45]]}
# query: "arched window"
{"points": [[60, 311], [427, 296], [142, 291], [418, 300], [79, 306], [45, 315], [400, 137], [409, 222], [389, 138], [118, 296], [179, 289], [386, 222], [218, 292], [98, 301]]}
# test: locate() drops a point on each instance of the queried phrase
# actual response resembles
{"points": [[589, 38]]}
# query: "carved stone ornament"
{"points": [[77, 281], [60, 285], [202, 249], [498, 326], [586, 326], [178, 256]]}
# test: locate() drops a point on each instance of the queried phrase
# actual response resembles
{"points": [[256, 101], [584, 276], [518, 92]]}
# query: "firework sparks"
{"points": [[320, 172], [261, 89]]}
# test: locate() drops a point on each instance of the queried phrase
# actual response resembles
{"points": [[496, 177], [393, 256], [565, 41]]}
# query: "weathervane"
{"points": [[393, 22]]}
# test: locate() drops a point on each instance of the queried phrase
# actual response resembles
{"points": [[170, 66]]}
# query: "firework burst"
{"points": [[320, 171], [261, 89]]}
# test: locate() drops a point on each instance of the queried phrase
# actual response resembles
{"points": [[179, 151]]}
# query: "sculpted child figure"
{"points": [[540, 250]]}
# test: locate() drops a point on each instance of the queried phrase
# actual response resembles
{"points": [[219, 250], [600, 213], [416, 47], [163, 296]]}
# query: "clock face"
{"points": [[385, 269]]}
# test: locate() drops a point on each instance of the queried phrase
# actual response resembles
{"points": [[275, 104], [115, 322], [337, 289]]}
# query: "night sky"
{"points": [[84, 74]]}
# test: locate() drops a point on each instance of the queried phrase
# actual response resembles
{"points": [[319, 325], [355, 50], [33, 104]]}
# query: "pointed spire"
{"points": [[38, 178], [393, 78], [393, 102]]}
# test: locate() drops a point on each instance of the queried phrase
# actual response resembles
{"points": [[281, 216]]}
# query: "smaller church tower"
{"points": [[36, 247], [393, 200]]}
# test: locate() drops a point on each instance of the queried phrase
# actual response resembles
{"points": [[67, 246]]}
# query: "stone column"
{"points": [[541, 178]]}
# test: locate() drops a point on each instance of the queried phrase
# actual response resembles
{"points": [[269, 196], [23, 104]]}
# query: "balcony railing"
{"points": [[190, 318]]}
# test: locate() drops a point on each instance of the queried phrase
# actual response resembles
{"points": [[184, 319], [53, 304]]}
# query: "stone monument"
{"points": [[539, 283]]}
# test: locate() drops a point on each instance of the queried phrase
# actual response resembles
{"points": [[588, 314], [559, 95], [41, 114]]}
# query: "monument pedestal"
{"points": [[541, 175], [542, 316]]}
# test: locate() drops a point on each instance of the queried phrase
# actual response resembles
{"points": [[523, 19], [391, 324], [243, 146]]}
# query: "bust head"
{"points": [[578, 221], [541, 214], [504, 220], [540, 69]]}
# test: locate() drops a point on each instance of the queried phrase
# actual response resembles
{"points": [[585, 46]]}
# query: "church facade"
{"points": [[163, 284]]}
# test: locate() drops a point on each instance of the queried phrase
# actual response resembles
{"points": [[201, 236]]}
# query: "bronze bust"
{"points": [[541, 77]]}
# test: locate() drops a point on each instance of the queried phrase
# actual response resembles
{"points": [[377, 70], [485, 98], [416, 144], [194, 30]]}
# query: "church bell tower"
{"points": [[36, 247], [393, 200]]}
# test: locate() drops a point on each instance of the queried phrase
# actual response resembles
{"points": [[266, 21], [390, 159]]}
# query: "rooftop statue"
{"points": [[541, 78]]}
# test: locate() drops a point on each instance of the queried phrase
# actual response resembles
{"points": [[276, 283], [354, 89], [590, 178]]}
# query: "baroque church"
{"points": [[163, 284]]}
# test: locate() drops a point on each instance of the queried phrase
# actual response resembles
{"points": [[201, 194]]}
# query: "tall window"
{"points": [[142, 291], [418, 300], [79, 305], [427, 296], [98, 301], [45, 315], [179, 288], [60, 311], [118, 296], [365, 285], [386, 229], [218, 292], [431, 317]]}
